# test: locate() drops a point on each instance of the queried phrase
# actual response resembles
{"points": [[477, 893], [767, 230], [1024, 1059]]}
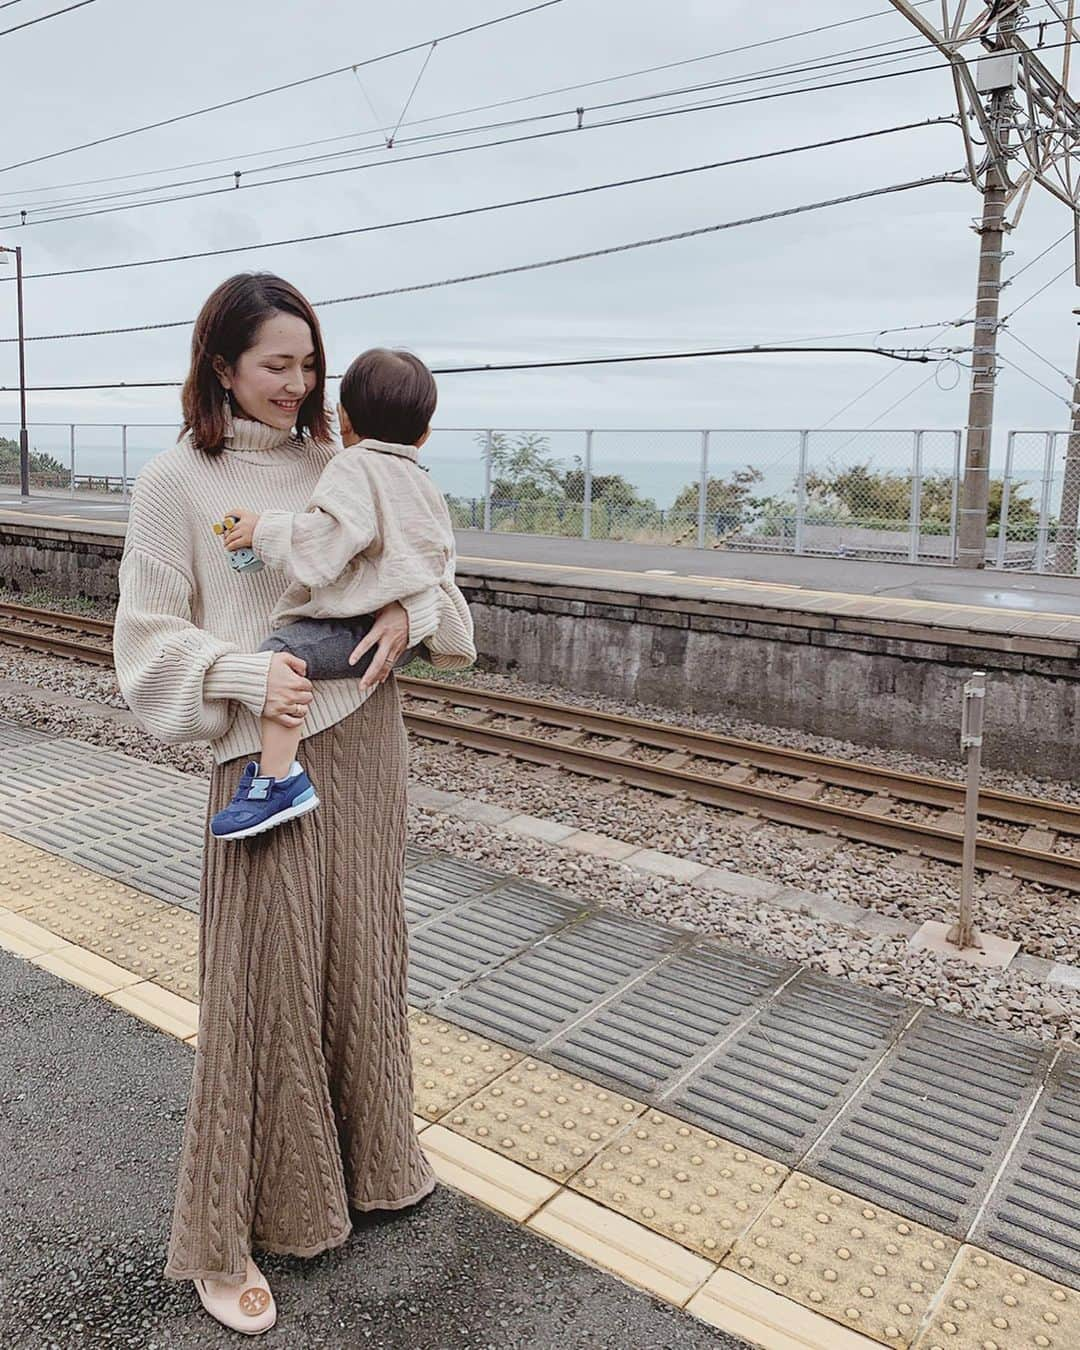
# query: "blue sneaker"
{"points": [[261, 803]]}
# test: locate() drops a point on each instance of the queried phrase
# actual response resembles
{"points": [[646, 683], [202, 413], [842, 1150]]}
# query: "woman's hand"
{"points": [[390, 637], [241, 534], [288, 693]]}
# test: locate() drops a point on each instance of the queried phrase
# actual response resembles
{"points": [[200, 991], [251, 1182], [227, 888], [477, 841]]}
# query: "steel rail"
{"points": [[57, 619], [866, 826], [939, 792], [892, 833]]}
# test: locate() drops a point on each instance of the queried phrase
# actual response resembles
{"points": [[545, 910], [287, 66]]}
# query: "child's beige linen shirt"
{"points": [[376, 529]]}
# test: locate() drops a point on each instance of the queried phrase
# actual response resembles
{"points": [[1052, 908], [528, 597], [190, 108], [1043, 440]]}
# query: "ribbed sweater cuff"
{"points": [[272, 537], [241, 676], [424, 612]]}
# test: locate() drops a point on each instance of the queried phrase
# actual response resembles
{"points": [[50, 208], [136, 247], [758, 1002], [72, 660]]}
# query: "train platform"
{"points": [[772, 1155]]}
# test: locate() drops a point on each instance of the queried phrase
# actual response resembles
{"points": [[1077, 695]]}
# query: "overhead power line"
{"points": [[919, 355], [491, 206], [548, 262], [454, 150], [42, 18], [276, 89]]}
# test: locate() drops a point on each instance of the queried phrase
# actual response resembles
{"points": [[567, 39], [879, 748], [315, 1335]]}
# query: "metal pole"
{"points": [[24, 435], [1044, 504], [586, 505], [800, 493], [971, 552], [955, 499], [703, 490], [1065, 559], [1006, 493], [916, 499], [123, 460], [71, 483], [488, 449], [963, 934]]}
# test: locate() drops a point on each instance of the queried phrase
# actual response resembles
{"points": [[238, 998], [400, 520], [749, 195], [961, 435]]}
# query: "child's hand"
{"points": [[241, 534]]}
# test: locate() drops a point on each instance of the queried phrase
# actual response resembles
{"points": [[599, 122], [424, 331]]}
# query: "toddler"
{"points": [[376, 530]]}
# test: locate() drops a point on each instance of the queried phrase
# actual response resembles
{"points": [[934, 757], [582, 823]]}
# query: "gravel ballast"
{"points": [[1047, 923]]}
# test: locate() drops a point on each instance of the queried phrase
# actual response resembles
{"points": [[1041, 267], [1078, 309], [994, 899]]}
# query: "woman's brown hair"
{"points": [[226, 327]]}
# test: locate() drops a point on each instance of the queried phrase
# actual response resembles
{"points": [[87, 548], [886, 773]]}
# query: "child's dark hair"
{"points": [[389, 396]]}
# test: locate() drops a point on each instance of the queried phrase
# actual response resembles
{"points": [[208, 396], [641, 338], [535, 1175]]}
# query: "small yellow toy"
{"points": [[241, 559]]}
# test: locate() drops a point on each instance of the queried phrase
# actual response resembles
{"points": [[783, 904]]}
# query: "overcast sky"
{"points": [[898, 260]]}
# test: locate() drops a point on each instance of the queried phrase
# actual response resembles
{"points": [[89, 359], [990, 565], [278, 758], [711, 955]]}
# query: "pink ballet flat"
{"points": [[247, 1307]]}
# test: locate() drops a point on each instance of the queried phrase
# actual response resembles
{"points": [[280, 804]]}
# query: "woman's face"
{"points": [[277, 372]]}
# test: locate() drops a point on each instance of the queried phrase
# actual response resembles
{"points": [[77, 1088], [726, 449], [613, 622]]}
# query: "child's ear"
{"points": [[343, 421], [423, 438]]}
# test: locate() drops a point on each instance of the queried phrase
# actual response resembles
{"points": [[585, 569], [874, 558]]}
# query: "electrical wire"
{"points": [[956, 177], [1070, 380], [276, 89], [435, 154], [920, 356], [485, 107], [54, 15], [491, 206], [1034, 380]]}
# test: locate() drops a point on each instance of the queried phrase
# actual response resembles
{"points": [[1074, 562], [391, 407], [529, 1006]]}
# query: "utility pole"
{"points": [[24, 435], [1065, 557], [999, 77]]}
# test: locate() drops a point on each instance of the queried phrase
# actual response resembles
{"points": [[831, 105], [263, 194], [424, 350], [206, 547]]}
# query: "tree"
{"points": [[39, 461], [727, 497], [609, 489], [522, 468]]}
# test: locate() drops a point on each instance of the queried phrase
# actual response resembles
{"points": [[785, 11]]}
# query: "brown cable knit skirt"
{"points": [[301, 1099]]}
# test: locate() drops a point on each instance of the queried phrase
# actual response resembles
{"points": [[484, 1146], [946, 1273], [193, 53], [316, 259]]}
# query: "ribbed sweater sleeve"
{"points": [[452, 646], [179, 681], [314, 547]]}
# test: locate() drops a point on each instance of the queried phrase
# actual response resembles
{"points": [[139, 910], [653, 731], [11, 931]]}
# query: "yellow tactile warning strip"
{"points": [[548, 1120], [687, 1184], [870, 1270], [780, 1259], [451, 1064], [136, 932], [992, 1304]]}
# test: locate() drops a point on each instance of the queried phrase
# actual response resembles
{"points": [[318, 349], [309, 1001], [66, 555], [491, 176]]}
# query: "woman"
{"points": [[301, 1099]]}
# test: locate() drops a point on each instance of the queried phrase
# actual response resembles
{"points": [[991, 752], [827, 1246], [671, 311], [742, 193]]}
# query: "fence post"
{"points": [[1006, 492], [954, 504], [703, 490], [586, 512], [123, 460], [488, 448], [800, 493], [1044, 504], [916, 499], [71, 483]]}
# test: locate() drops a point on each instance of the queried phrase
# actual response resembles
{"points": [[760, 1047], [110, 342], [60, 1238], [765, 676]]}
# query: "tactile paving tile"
{"points": [[863, 1266], [646, 1038], [451, 1064], [545, 1119], [15, 734], [455, 947], [928, 1132], [540, 993], [776, 1084], [990, 1304], [1033, 1214], [691, 1186], [440, 883]]}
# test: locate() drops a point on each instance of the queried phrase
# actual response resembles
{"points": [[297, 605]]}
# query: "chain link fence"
{"points": [[858, 493]]}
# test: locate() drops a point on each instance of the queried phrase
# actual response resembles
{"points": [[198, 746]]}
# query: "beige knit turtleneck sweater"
{"points": [[188, 626]]}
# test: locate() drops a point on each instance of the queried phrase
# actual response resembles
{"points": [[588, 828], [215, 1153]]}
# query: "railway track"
{"points": [[1028, 837]]}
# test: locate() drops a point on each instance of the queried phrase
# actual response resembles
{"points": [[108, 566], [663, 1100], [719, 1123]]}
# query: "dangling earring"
{"points": [[227, 410]]}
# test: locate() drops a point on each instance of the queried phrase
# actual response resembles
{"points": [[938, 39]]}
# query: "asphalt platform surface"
{"points": [[92, 1104]]}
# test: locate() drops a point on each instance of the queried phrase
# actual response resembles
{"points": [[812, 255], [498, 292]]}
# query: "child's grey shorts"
{"points": [[325, 644]]}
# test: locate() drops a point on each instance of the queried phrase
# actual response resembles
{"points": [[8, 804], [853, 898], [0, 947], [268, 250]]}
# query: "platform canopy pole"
{"points": [[963, 934]]}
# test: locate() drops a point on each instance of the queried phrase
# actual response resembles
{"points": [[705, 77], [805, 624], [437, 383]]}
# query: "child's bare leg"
{"points": [[279, 747]]}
